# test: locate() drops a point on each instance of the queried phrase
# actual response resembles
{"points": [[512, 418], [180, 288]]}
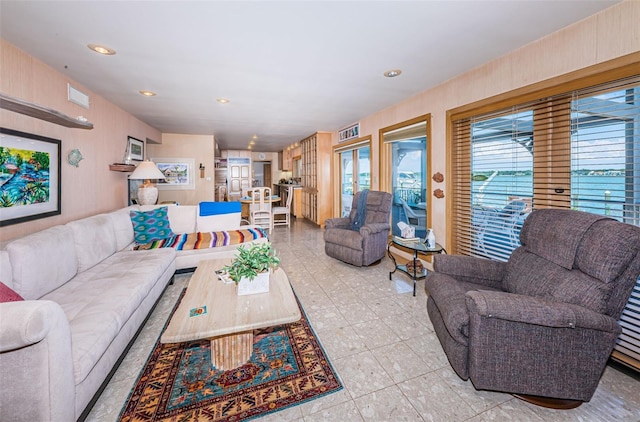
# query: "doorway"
{"points": [[404, 163], [354, 161], [262, 174]]}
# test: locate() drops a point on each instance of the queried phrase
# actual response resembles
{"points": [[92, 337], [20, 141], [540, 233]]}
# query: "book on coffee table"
{"points": [[406, 239], [200, 310]]}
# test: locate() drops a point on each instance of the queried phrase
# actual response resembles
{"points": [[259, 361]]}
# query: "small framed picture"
{"points": [[348, 133], [136, 149]]}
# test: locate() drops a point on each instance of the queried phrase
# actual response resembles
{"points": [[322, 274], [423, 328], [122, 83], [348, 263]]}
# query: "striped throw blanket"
{"points": [[189, 241]]}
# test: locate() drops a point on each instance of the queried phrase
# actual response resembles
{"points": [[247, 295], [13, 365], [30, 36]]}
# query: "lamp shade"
{"points": [[146, 170]]}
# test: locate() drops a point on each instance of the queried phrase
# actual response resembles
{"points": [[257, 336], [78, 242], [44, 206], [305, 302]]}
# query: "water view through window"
{"points": [[601, 168]]}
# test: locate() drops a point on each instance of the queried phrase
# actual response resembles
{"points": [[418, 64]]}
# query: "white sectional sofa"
{"points": [[87, 293]]}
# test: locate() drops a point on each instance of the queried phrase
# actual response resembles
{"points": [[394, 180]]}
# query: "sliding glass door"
{"points": [[354, 159]]}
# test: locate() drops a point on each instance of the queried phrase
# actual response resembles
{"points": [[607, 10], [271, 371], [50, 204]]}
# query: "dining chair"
{"points": [[260, 208], [286, 210]]}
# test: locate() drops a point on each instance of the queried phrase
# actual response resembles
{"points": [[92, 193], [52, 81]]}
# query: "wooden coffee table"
{"points": [[211, 309]]}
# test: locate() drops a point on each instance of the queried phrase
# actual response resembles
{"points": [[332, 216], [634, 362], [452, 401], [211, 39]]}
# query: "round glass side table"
{"points": [[417, 247]]}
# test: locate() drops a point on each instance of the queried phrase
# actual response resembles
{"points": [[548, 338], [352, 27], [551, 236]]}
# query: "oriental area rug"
{"points": [[178, 383]]}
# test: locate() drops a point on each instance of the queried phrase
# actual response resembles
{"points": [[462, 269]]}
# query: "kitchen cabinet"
{"points": [[297, 203], [316, 177], [286, 158]]}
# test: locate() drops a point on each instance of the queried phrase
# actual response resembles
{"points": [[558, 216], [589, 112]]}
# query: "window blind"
{"points": [[578, 150]]}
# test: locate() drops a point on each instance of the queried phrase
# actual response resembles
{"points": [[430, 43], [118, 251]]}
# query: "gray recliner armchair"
{"points": [[543, 324], [368, 244]]}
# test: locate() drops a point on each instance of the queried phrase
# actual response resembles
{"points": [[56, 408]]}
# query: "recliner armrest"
{"points": [[337, 223], [471, 269], [538, 311]]}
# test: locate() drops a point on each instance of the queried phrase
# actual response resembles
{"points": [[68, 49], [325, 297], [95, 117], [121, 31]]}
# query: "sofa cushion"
{"points": [[214, 223], [99, 301], [152, 225], [94, 238], [218, 216], [8, 295], [183, 218], [122, 227], [42, 261], [5, 268]]}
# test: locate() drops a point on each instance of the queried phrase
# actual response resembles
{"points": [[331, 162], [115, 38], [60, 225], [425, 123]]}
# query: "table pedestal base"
{"points": [[232, 351]]}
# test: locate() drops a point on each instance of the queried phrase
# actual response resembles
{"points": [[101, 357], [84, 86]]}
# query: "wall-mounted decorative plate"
{"points": [[75, 157]]}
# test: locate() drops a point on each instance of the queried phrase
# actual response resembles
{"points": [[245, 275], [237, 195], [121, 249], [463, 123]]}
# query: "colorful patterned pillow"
{"points": [[7, 294], [149, 226]]}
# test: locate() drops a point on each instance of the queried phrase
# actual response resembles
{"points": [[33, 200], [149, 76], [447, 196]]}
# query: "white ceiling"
{"points": [[290, 68]]}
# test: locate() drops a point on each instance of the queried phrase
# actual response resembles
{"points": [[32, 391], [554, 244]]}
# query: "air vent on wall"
{"points": [[78, 97]]}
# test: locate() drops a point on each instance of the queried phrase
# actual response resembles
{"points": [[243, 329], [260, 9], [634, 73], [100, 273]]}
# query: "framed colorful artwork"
{"points": [[178, 173], [30, 177]]}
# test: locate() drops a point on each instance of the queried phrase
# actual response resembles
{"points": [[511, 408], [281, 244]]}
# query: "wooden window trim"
{"points": [[609, 71]]}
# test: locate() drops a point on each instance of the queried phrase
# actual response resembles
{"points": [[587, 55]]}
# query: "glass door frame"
{"points": [[385, 151], [353, 145]]}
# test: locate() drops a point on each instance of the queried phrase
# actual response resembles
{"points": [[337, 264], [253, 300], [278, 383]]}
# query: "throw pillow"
{"points": [[149, 226], [7, 294]]}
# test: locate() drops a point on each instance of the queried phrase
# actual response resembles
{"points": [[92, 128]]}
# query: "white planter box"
{"points": [[260, 284]]}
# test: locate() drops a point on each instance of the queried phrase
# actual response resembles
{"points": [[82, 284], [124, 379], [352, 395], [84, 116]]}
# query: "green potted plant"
{"points": [[251, 268]]}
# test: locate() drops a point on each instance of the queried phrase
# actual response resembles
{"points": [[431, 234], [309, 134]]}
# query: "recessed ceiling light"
{"points": [[222, 100], [392, 73], [249, 147], [148, 93], [102, 49], [254, 137], [252, 142]]}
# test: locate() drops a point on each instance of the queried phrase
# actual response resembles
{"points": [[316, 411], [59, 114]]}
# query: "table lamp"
{"points": [[147, 192]]}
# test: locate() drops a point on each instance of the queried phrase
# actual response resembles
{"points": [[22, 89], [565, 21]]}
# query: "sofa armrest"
{"points": [[36, 362], [538, 311], [373, 228], [471, 269], [24, 323], [337, 223]]}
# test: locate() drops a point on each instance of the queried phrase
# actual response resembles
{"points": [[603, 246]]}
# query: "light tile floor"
{"points": [[382, 345]]}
